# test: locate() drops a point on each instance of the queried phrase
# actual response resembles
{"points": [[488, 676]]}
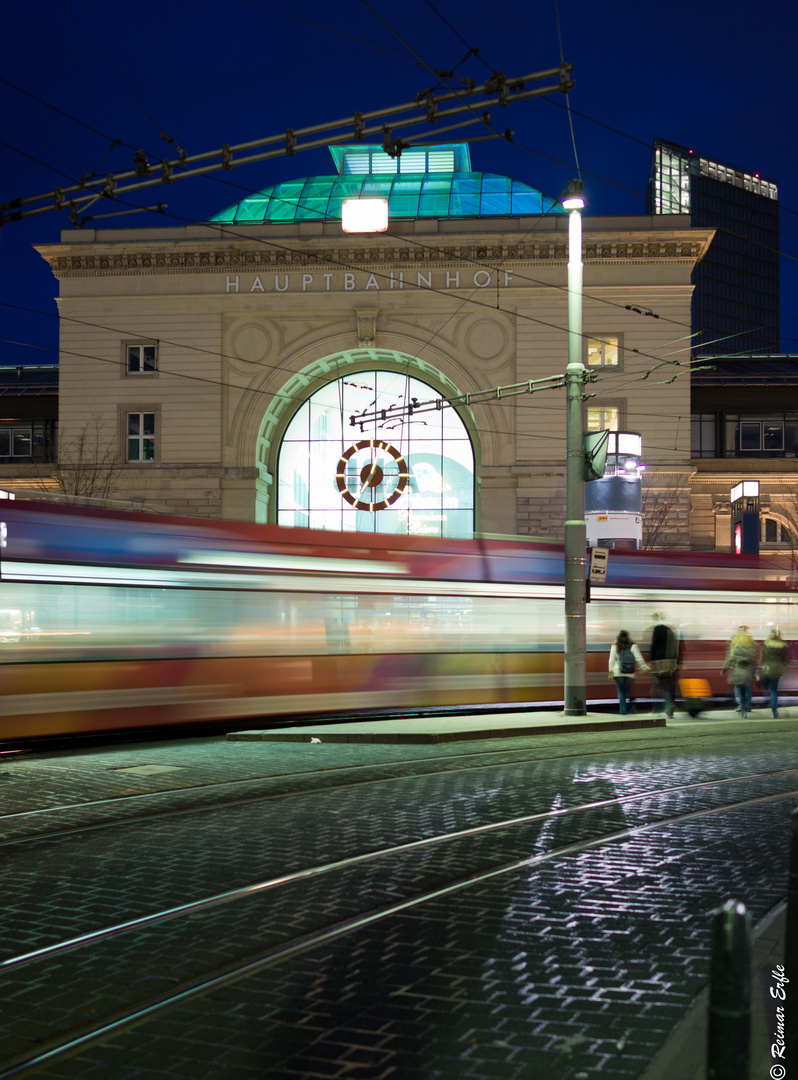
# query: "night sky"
{"points": [[719, 77]]}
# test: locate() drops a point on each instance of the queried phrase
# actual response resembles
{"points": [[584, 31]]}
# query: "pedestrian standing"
{"points": [[663, 655], [739, 663], [774, 659], [624, 659]]}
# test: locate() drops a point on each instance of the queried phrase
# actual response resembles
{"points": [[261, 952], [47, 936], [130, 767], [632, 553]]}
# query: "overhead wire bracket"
{"points": [[429, 108], [474, 397]]}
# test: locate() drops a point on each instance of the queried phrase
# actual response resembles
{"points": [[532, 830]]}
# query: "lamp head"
{"points": [[572, 198]]}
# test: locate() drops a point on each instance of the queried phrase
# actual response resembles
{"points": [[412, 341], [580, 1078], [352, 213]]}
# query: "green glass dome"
{"points": [[425, 182]]}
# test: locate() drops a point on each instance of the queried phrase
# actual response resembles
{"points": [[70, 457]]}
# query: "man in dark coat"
{"points": [[664, 659]]}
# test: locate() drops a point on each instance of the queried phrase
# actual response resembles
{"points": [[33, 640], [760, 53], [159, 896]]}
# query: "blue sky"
{"points": [[718, 77]]}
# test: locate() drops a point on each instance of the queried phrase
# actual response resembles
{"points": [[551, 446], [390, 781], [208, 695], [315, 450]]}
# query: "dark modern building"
{"points": [[28, 414], [735, 307], [744, 426]]}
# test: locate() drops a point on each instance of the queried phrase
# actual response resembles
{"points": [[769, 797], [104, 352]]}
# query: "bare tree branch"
{"points": [[663, 526]]}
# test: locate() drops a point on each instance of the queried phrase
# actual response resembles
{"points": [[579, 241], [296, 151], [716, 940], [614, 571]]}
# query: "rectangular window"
{"points": [[141, 436], [772, 436], [21, 442], [604, 352], [5, 443], [750, 436], [767, 436], [702, 435], [141, 359], [603, 418]]}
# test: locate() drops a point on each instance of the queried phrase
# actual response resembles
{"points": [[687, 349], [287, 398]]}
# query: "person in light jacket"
{"points": [[739, 663], [624, 655], [774, 659]]}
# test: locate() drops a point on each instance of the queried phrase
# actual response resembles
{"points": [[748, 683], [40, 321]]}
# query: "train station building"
{"points": [[268, 366], [224, 367]]}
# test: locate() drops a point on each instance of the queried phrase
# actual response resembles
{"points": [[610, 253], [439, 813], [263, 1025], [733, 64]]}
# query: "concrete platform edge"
{"points": [[428, 732]]}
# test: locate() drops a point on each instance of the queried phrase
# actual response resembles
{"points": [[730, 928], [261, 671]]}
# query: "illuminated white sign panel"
{"points": [[747, 487], [364, 215]]}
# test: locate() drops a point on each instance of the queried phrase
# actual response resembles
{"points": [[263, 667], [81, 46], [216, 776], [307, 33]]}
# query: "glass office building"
{"points": [[735, 307]]}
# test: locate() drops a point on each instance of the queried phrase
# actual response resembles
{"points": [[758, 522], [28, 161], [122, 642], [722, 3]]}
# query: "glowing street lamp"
{"points": [[575, 641]]}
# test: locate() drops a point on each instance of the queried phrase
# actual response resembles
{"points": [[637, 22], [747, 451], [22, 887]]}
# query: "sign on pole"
{"points": [[599, 558]]}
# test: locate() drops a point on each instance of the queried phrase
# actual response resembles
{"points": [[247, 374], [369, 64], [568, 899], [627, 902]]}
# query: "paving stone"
{"points": [[607, 945]]}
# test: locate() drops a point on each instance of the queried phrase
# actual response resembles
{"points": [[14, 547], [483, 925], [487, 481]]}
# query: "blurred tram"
{"points": [[115, 621]]}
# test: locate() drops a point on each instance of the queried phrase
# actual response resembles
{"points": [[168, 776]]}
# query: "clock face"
{"points": [[371, 475]]}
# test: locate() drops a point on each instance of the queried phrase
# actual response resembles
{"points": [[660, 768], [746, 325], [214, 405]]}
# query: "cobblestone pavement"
{"points": [[572, 968]]}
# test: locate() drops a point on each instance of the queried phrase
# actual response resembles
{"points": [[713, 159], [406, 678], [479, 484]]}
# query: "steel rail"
{"points": [[237, 970], [247, 891]]}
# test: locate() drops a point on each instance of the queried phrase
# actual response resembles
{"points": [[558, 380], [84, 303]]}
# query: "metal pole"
{"points": [[729, 1027], [575, 534]]}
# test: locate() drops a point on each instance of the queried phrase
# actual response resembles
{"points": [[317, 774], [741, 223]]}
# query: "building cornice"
{"points": [[103, 259]]}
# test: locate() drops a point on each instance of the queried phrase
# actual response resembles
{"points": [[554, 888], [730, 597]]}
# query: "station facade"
{"points": [[266, 366]]}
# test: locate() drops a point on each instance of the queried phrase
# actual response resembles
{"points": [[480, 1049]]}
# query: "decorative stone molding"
{"points": [[366, 327], [170, 261]]}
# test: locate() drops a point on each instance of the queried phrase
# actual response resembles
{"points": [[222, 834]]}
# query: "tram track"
{"points": [[401, 771], [440, 884]]}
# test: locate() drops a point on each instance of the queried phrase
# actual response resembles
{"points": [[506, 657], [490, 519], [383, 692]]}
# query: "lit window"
{"points": [[141, 359], [395, 473], [603, 418], [141, 436], [603, 352]]}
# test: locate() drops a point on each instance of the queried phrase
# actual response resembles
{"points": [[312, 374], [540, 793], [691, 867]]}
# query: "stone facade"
{"points": [[249, 320]]}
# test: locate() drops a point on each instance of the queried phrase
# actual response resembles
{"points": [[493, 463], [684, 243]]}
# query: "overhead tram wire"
{"points": [[405, 239], [248, 389], [474, 51], [349, 266], [226, 385], [567, 107], [418, 62], [248, 190], [660, 360], [272, 395], [570, 117], [399, 238], [329, 30], [290, 140], [127, 86]]}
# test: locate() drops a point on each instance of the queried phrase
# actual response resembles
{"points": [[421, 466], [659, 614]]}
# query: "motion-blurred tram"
{"points": [[117, 621]]}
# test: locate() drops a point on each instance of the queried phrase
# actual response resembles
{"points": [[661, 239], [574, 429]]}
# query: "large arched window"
{"points": [[400, 472]]}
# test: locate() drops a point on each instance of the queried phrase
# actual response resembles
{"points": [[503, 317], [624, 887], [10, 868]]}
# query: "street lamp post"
{"points": [[575, 642]]}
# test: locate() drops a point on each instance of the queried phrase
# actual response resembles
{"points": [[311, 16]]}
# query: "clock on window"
{"points": [[371, 475]]}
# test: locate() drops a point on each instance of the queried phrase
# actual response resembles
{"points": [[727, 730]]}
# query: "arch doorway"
{"points": [[393, 472]]}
